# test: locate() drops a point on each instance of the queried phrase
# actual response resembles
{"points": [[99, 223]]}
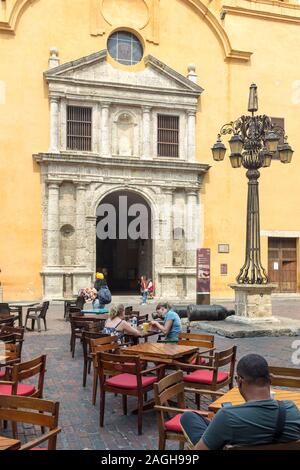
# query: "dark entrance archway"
{"points": [[123, 241]]}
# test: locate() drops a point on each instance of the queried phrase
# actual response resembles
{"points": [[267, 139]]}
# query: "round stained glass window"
{"points": [[125, 48]]}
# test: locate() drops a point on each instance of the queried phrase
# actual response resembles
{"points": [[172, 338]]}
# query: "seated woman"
{"points": [[117, 325], [172, 324]]}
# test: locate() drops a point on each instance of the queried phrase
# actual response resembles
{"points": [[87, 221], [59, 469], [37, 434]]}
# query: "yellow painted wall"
{"points": [[186, 36]]}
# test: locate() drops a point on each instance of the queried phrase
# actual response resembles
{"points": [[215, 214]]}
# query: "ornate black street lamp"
{"points": [[253, 143]]}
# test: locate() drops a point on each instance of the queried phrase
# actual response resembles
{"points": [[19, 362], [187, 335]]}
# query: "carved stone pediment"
{"points": [[94, 69]]}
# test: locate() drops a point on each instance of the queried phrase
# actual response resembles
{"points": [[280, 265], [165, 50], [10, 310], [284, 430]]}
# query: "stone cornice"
{"points": [[88, 160], [260, 14], [60, 75]]}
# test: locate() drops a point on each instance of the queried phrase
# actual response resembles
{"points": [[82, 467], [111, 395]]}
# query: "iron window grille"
{"points": [[79, 128], [167, 136]]}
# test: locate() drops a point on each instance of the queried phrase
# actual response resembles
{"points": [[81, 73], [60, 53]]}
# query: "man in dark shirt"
{"points": [[252, 423]]}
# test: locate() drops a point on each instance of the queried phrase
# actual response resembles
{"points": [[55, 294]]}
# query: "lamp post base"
{"points": [[253, 303]]}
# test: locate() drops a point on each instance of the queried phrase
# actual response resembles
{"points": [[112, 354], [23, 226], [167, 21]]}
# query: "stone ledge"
{"points": [[283, 327]]}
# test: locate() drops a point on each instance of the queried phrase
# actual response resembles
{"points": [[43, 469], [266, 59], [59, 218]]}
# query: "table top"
{"points": [[96, 311], [6, 443], [234, 397], [160, 352], [23, 304], [93, 316]]}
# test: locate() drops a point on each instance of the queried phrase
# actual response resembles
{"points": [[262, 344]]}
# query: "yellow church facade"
{"points": [[110, 103]]}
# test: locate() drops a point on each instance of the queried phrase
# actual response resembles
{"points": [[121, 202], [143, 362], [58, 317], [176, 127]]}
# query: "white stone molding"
{"points": [[54, 122], [192, 227], [146, 137], [169, 225], [105, 141], [191, 136], [53, 224], [192, 73], [80, 224], [53, 59]]}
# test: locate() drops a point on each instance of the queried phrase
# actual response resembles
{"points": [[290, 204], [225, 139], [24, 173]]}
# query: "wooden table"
{"points": [[6, 443], [234, 397], [163, 353], [93, 316]]}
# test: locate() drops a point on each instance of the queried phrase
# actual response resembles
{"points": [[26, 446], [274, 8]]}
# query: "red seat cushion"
{"points": [[173, 424], [129, 381], [205, 376], [22, 390]]}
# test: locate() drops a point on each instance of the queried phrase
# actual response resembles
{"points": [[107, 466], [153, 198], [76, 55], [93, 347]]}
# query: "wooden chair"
{"points": [[33, 411], [285, 376], [171, 387], [7, 321], [128, 378], [37, 314], [78, 323], [6, 311], [22, 371], [205, 377], [105, 344], [18, 333], [201, 341], [87, 335]]}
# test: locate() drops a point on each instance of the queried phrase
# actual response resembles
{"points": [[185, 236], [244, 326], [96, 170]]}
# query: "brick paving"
{"points": [[79, 419]]}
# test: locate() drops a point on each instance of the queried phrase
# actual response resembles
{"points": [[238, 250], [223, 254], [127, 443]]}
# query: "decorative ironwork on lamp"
{"points": [[255, 139]]}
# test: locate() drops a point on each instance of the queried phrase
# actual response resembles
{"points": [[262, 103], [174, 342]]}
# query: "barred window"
{"points": [[79, 128], [167, 135]]}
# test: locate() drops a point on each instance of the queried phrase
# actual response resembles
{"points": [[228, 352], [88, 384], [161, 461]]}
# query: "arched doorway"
{"points": [[124, 240]]}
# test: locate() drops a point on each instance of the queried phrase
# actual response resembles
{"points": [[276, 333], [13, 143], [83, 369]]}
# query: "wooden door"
{"points": [[282, 267]]}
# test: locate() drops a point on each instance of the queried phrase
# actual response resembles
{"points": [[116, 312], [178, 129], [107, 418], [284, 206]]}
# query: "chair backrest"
{"points": [[8, 321], [292, 445], [128, 310], [195, 339], [285, 376], [34, 411], [45, 307], [221, 359], [87, 336], [170, 387], [8, 338], [104, 344], [4, 310], [28, 369], [18, 331], [80, 301], [110, 364]]}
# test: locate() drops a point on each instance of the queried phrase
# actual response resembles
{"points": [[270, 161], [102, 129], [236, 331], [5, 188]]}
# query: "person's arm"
{"points": [[127, 328], [165, 328]]}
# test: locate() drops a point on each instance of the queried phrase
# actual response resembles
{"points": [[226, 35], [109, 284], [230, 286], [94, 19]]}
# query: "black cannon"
{"points": [[181, 310], [208, 313]]}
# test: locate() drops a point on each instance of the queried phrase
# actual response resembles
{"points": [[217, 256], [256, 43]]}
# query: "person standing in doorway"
{"points": [[144, 289]]}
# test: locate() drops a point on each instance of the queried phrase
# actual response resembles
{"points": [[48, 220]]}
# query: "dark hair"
{"points": [[102, 283], [163, 305], [254, 369]]}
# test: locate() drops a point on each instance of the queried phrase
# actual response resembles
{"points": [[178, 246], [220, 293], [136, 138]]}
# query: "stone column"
{"points": [[80, 225], [146, 132], [191, 227], [105, 147], [54, 140], [191, 136], [169, 226], [53, 225]]}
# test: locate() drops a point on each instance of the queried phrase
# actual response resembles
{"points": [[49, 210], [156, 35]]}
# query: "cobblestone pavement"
{"points": [[79, 419]]}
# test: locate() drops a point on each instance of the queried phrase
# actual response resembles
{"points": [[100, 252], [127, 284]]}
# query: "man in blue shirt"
{"points": [[253, 423], [172, 324]]}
